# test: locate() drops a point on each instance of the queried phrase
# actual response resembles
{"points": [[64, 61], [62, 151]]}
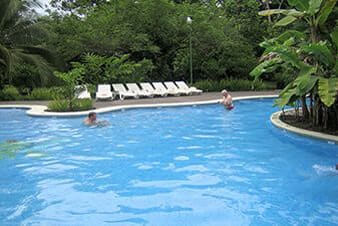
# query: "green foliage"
{"points": [[71, 79], [243, 16], [58, 106], [325, 11], [313, 58], [321, 51], [100, 69], [9, 93], [64, 105], [91, 89], [327, 90], [25, 75], [45, 93], [283, 77], [155, 36], [19, 40], [285, 21], [231, 85]]}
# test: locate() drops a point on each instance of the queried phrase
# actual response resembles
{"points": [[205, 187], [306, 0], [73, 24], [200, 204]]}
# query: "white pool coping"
{"points": [[40, 110], [275, 119]]}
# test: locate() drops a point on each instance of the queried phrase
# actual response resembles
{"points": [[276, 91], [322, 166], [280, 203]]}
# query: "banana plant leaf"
{"points": [[314, 6], [334, 36], [321, 52], [325, 11], [288, 56], [328, 90], [302, 5], [304, 84], [270, 12], [287, 12], [295, 13], [265, 67], [285, 21], [335, 69], [289, 34], [286, 98]]}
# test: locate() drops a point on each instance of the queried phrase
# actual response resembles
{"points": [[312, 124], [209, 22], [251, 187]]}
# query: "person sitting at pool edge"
{"points": [[227, 100], [91, 119]]}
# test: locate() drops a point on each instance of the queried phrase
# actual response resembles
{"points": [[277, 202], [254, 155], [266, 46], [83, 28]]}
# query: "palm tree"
{"points": [[19, 39]]}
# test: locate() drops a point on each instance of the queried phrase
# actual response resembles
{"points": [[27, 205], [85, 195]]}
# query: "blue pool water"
{"points": [[199, 165]]}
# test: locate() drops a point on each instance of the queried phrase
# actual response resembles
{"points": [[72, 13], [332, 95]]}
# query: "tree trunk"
{"points": [[316, 112], [333, 117], [325, 117], [306, 114], [311, 105]]}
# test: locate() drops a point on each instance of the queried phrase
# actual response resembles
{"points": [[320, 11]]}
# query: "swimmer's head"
{"points": [[92, 116], [224, 92], [337, 166]]}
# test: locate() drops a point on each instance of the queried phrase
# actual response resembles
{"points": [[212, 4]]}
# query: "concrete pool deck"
{"points": [[211, 96], [38, 108]]}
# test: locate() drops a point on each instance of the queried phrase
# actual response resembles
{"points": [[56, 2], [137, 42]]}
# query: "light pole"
{"points": [[189, 21]]}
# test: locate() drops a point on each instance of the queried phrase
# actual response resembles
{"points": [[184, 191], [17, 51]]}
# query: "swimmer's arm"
{"points": [[102, 123]]}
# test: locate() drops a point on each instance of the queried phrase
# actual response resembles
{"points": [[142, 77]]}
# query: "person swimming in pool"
{"points": [[91, 120], [227, 100]]}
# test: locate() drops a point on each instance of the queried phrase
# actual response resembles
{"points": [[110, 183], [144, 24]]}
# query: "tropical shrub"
{"points": [[25, 76], [58, 106], [91, 89], [9, 93], [64, 105], [83, 104], [71, 79], [102, 69], [231, 85], [311, 51], [46, 93]]}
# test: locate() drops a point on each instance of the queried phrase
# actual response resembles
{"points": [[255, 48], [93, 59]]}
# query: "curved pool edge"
{"points": [[40, 110], [276, 121]]}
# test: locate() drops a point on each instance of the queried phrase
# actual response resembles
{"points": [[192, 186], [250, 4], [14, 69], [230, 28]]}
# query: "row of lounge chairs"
{"points": [[144, 89]]}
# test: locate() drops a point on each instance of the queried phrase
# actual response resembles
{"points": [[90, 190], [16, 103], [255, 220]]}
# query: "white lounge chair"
{"points": [[148, 87], [159, 87], [133, 87], [81, 92], [122, 92], [173, 88], [104, 92], [183, 86]]}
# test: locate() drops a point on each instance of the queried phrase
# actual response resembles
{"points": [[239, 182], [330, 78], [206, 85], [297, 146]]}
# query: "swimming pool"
{"points": [[199, 165]]}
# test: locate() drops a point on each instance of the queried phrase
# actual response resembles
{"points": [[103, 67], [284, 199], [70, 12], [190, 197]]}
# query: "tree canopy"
{"points": [[156, 32]]}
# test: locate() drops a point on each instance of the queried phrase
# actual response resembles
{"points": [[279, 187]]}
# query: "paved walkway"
{"points": [[156, 100]]}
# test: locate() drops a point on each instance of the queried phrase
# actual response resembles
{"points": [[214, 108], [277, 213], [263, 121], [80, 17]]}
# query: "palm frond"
{"points": [[44, 68], [10, 9], [6, 58], [20, 35], [46, 54], [7, 9]]}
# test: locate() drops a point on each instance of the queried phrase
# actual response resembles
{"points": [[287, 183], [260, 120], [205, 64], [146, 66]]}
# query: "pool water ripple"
{"points": [[198, 165]]}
